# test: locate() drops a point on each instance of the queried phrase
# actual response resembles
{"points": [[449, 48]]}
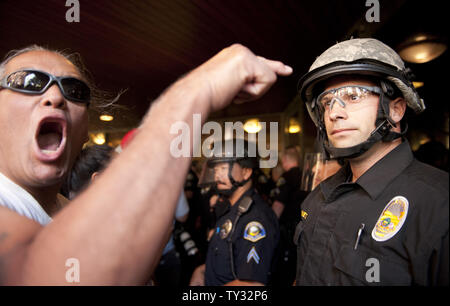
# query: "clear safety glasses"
{"points": [[350, 97]]}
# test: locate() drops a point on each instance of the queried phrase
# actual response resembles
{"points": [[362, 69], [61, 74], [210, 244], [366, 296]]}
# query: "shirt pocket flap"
{"points": [[371, 268], [351, 262]]}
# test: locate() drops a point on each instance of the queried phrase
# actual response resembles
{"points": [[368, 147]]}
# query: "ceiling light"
{"points": [[421, 48], [106, 117], [252, 126], [98, 138]]}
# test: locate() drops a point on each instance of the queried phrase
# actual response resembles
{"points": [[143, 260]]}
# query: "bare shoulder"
{"points": [[15, 228], [16, 232]]}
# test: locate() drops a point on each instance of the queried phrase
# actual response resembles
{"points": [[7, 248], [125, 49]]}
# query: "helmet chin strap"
{"points": [[382, 132], [226, 192]]}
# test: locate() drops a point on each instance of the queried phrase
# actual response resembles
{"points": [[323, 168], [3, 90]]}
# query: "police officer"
{"points": [[286, 206], [243, 243], [383, 218], [287, 185]]}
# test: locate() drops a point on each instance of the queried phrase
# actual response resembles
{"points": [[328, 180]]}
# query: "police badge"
{"points": [[225, 229]]}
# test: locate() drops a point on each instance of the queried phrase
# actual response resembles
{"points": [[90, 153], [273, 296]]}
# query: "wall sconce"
{"points": [[98, 138], [421, 48], [252, 126], [294, 126]]}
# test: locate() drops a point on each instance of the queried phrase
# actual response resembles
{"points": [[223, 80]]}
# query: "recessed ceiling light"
{"points": [[105, 117]]}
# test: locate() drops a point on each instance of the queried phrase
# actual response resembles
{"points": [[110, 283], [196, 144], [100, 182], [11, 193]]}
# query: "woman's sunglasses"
{"points": [[35, 82]]}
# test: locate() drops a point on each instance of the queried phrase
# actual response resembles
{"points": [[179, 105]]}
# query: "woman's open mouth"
{"points": [[51, 138]]}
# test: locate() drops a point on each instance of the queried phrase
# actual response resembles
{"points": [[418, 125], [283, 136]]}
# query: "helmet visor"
{"points": [[316, 169], [215, 172], [206, 178]]}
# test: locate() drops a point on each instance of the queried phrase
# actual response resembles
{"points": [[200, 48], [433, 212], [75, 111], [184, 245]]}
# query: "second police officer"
{"points": [[246, 233]]}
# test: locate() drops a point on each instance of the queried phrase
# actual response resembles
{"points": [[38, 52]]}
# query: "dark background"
{"points": [[145, 45]]}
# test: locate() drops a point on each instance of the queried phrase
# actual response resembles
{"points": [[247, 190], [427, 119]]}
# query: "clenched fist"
{"points": [[236, 74]]}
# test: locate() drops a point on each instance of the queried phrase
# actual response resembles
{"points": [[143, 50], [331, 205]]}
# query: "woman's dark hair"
{"points": [[91, 159]]}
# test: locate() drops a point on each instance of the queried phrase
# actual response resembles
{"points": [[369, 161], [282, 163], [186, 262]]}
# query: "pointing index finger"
{"points": [[278, 67]]}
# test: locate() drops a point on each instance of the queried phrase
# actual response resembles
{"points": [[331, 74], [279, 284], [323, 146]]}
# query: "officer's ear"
{"points": [[247, 173], [397, 109]]}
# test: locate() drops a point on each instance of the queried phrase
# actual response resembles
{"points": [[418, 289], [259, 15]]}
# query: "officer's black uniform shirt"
{"points": [[254, 240], [333, 213]]}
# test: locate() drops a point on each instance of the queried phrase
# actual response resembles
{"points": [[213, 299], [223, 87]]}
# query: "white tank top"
{"points": [[19, 200]]}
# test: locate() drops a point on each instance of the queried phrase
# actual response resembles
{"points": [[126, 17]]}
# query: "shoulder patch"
{"points": [[254, 231], [391, 219]]}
